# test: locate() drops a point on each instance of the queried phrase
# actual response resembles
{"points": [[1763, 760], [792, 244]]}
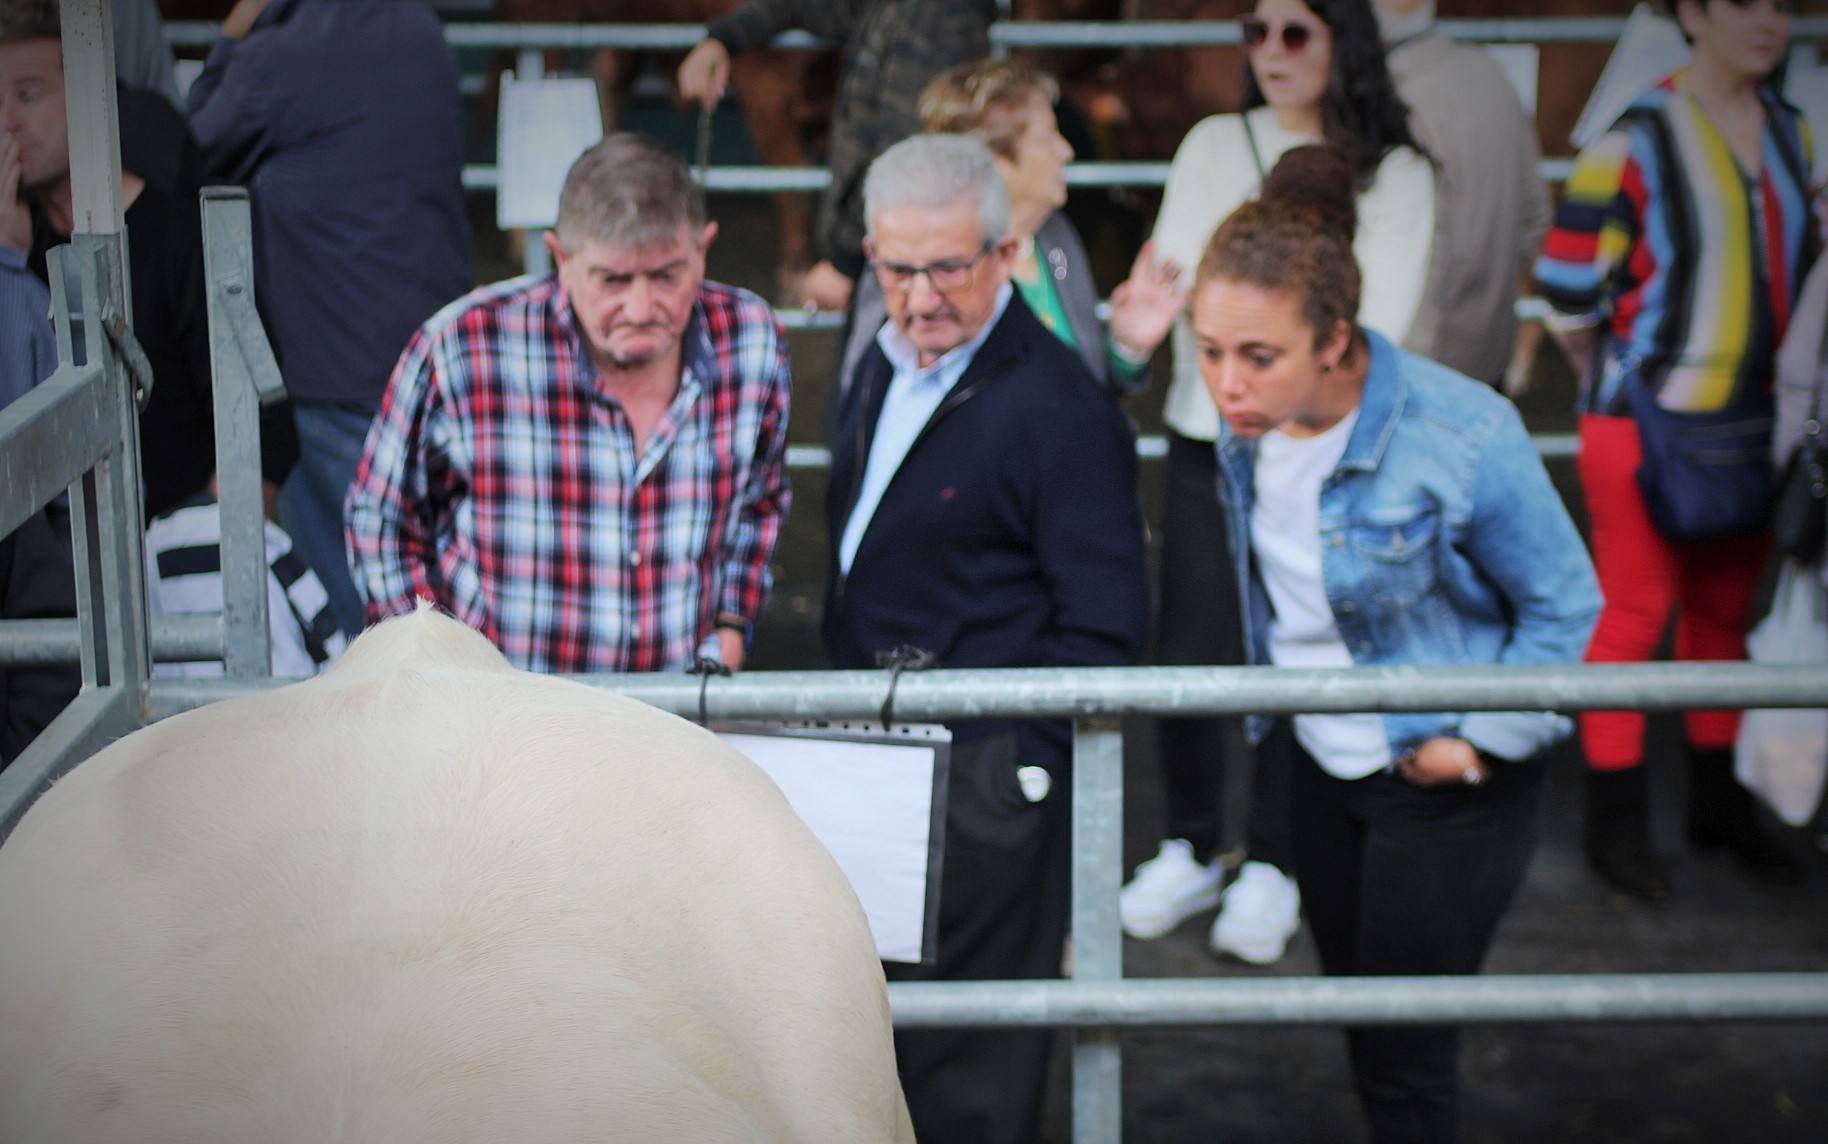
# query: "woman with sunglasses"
{"points": [[1672, 268], [1316, 75], [1384, 510], [1009, 105]]}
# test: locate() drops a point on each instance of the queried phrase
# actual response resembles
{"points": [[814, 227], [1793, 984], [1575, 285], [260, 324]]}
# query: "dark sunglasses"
{"points": [[1256, 31]]}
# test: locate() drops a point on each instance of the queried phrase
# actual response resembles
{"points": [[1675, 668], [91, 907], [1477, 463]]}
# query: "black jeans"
{"points": [[1403, 879], [1201, 623], [1004, 902]]}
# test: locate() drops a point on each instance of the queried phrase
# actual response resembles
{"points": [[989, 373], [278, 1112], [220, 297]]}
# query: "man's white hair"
{"points": [[937, 171]]}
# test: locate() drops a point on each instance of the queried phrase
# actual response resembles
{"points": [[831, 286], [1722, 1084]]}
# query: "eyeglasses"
{"points": [[1256, 31], [946, 274]]}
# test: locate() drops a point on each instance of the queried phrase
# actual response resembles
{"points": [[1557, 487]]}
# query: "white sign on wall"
{"points": [[543, 126]]}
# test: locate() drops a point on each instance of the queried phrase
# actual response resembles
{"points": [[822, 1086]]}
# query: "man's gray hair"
{"points": [[628, 191], [937, 171], [30, 20]]}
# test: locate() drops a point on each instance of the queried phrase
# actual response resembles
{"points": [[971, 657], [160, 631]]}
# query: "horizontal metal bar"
{"points": [[175, 639], [1004, 34], [95, 718], [50, 437], [1363, 1000], [1064, 692], [772, 180], [815, 457]]}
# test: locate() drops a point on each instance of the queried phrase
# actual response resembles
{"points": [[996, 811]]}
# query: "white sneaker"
{"points": [[1167, 890], [1261, 913]]}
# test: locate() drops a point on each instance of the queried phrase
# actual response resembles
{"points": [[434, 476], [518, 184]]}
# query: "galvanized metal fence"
{"points": [[530, 41], [79, 429], [1097, 1000]]}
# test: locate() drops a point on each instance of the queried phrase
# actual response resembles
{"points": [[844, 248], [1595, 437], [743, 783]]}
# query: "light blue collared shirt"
{"points": [[914, 393]]}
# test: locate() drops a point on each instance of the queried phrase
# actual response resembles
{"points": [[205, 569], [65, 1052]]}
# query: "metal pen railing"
{"points": [[83, 429], [79, 429], [1097, 1001]]}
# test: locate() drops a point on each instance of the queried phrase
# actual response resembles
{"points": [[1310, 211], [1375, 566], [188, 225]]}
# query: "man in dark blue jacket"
{"points": [[982, 507], [344, 120]]}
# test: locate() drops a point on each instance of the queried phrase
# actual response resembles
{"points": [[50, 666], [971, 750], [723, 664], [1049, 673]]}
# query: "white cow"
{"points": [[426, 897]]}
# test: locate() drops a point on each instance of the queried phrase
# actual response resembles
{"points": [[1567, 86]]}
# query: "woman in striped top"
{"points": [[1676, 254]]}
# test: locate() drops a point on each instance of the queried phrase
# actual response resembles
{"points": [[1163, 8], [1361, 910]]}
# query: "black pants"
{"points": [[1005, 898], [1402, 879], [1201, 623]]}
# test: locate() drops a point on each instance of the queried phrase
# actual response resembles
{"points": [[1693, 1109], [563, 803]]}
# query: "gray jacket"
{"points": [[1057, 247], [1491, 208]]}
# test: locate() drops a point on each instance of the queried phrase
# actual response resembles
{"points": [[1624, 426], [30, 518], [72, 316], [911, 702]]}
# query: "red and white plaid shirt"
{"points": [[502, 483]]}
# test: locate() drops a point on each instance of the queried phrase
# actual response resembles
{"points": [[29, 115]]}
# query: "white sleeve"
{"points": [[1211, 174], [1395, 231]]}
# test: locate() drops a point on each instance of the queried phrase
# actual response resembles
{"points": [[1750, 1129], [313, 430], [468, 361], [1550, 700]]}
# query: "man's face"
{"points": [[32, 110], [953, 290], [633, 303]]}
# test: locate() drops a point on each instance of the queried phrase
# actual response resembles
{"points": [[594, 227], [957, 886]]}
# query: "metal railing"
{"points": [[79, 429], [245, 377], [530, 40], [1004, 35], [1097, 1001], [82, 427]]}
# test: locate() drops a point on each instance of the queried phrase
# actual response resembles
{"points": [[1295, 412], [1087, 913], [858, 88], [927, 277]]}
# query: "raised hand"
{"points": [[1144, 305], [15, 219]]}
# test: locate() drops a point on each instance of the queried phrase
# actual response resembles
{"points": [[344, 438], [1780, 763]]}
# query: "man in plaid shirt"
{"points": [[588, 468]]}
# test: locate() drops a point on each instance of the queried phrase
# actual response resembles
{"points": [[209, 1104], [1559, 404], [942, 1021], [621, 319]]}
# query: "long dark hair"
{"points": [[1361, 115]]}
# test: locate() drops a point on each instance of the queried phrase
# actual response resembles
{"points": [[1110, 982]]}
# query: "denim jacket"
{"points": [[1442, 542]]}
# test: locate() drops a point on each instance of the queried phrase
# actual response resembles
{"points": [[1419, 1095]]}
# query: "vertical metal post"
{"points": [[1097, 938], [530, 64], [110, 523], [243, 371]]}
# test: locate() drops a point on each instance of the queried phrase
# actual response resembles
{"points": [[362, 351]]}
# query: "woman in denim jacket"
{"points": [[1386, 511]]}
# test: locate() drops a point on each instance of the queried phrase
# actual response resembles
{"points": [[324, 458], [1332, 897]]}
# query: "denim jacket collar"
{"points": [[1379, 407]]}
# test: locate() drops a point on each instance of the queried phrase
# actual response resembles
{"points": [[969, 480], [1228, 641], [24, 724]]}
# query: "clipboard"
{"points": [[877, 800]]}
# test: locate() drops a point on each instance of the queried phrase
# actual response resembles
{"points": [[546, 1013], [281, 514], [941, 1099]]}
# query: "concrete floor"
{"points": [[1615, 1083]]}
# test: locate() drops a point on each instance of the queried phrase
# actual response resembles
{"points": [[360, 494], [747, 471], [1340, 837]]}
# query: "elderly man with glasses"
{"points": [[983, 509]]}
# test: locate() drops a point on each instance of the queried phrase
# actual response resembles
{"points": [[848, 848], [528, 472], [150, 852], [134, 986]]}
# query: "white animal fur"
{"points": [[426, 897]]}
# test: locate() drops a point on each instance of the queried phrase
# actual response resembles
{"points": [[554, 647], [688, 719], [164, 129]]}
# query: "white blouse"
{"points": [[1213, 174]]}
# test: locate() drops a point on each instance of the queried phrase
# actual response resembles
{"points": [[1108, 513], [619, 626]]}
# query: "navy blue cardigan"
{"points": [[1010, 536]]}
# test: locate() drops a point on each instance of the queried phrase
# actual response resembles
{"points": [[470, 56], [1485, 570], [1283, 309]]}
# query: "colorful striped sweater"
{"points": [[1691, 265]]}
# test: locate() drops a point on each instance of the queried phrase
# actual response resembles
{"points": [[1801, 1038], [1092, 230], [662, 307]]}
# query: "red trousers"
{"points": [[1707, 584]]}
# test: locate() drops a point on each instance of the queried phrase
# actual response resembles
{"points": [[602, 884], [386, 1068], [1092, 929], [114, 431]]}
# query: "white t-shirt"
{"points": [[1285, 537], [1213, 174]]}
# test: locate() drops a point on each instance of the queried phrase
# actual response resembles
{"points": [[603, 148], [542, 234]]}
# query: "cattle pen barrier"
{"points": [[530, 42], [1097, 1000], [78, 430]]}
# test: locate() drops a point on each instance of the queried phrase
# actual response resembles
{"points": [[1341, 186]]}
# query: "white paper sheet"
{"points": [[1650, 48], [543, 126], [871, 804]]}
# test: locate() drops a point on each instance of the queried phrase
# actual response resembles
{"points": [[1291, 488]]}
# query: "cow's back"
{"points": [[428, 898]]}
